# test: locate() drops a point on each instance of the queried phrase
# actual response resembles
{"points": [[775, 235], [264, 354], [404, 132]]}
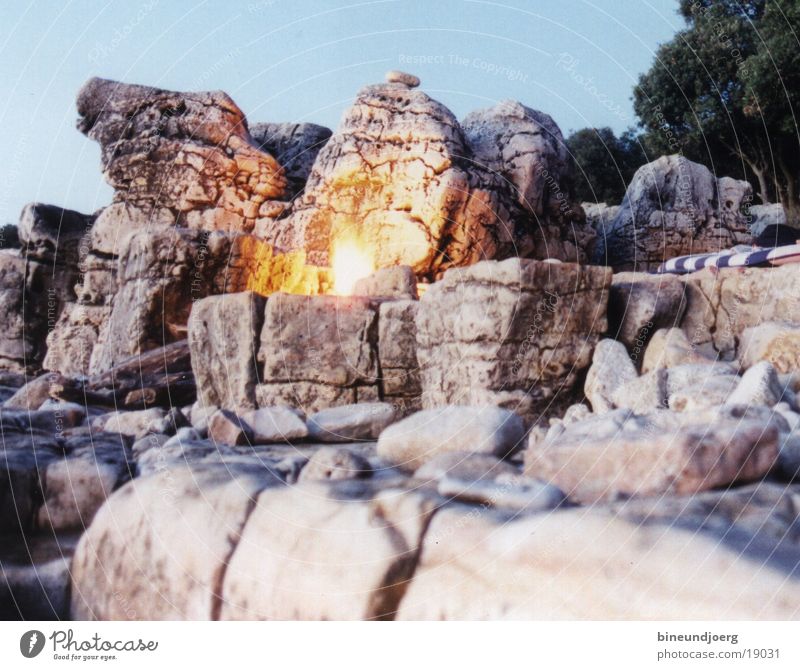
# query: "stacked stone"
{"points": [[37, 281], [515, 334]]}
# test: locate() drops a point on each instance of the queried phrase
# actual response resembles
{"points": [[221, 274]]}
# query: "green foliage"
{"points": [[723, 91], [603, 163]]}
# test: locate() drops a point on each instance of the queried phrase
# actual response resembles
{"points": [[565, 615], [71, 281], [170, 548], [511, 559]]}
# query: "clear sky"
{"points": [[304, 60]]}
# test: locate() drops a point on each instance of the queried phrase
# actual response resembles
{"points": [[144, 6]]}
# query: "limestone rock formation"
{"points": [[401, 178], [526, 149], [674, 207], [515, 333], [188, 153]]}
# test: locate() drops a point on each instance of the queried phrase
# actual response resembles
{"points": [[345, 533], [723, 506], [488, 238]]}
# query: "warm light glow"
{"points": [[350, 261]]}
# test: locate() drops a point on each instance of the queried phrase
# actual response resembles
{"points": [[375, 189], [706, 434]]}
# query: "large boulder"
{"points": [[721, 306], [515, 333], [526, 149], [188, 153], [674, 207]]}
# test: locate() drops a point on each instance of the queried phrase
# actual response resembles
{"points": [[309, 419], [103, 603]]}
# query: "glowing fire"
{"points": [[350, 261]]}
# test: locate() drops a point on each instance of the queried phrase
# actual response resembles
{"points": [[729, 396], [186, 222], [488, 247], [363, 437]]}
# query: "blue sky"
{"points": [[304, 60]]}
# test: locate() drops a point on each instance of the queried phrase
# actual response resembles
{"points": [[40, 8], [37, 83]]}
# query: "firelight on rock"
{"points": [[350, 261]]}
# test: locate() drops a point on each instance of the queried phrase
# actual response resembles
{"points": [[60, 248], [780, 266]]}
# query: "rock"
{"points": [[720, 307], [224, 427], [169, 424], [516, 334], [75, 486], [611, 368], [53, 234], [71, 342], [762, 216], [398, 77], [711, 392], [422, 436], [309, 397], [298, 554], [397, 353], [429, 201], [200, 415], [681, 378], [151, 441], [599, 215], [364, 421], [294, 145], [518, 493], [576, 412], [526, 149], [334, 463], [34, 393], [640, 304], [135, 423], [35, 581], [465, 466], [224, 332], [643, 394], [668, 348], [139, 558], [398, 282], [201, 158], [32, 295], [758, 386], [674, 207], [720, 554], [620, 454], [326, 340], [181, 436], [275, 424], [775, 342]]}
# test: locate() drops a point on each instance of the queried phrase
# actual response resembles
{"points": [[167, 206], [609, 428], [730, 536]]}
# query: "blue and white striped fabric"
{"points": [[731, 258]]}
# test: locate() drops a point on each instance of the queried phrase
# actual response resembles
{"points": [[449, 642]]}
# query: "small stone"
{"points": [[35, 392], [170, 423], [200, 415], [136, 423], [276, 424], [643, 394], [398, 77], [711, 392], [361, 421], [611, 368], [775, 342], [758, 386], [224, 427], [418, 438], [689, 376], [576, 412], [183, 435], [670, 347], [148, 442], [335, 463]]}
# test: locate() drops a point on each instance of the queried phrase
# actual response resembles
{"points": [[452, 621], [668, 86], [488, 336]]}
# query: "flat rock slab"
{"points": [[420, 437], [362, 421], [597, 564], [623, 455]]}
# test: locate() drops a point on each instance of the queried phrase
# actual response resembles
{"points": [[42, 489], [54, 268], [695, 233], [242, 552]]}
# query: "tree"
{"points": [[715, 94], [603, 163]]}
